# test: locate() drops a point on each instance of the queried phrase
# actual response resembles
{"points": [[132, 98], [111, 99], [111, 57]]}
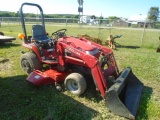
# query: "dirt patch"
{"points": [[5, 64]]}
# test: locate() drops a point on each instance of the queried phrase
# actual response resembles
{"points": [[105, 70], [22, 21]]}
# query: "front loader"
{"points": [[67, 60]]}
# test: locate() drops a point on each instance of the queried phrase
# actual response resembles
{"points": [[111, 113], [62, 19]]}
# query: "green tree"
{"points": [[112, 18], [153, 13]]}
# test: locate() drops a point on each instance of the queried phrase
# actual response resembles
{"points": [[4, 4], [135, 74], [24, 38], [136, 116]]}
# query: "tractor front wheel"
{"points": [[75, 83], [29, 62]]}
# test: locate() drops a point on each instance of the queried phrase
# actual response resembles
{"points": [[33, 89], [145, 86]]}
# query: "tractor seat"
{"points": [[39, 34]]}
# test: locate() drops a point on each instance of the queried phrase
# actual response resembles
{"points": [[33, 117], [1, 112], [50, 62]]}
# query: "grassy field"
{"points": [[23, 101]]}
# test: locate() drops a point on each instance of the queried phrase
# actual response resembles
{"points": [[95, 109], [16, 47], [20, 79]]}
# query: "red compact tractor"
{"points": [[64, 59]]}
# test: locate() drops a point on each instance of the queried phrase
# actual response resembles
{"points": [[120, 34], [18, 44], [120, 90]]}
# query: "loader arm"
{"points": [[105, 51]]}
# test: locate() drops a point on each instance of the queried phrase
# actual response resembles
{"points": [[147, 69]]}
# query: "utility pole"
{"points": [[80, 10]]}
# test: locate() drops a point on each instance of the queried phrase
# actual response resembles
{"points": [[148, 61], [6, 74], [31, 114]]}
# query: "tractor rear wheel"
{"points": [[75, 83], [29, 62]]}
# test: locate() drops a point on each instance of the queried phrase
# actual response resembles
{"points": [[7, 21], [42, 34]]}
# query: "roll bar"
{"points": [[22, 17]]}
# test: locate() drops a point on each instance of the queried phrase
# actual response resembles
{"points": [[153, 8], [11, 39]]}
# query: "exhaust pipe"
{"points": [[123, 97]]}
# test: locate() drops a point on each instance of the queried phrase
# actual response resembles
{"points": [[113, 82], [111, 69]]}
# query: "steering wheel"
{"points": [[59, 33]]}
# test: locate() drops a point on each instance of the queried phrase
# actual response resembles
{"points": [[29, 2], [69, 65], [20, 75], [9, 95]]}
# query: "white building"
{"points": [[138, 18], [85, 19]]}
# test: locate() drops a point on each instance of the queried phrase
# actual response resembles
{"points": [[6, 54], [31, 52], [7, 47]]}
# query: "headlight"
{"points": [[92, 52]]}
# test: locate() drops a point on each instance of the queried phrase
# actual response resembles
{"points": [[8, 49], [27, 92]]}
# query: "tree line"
{"points": [[153, 15], [16, 14]]}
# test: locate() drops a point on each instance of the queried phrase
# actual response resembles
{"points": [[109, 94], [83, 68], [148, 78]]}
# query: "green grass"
{"points": [[21, 100]]}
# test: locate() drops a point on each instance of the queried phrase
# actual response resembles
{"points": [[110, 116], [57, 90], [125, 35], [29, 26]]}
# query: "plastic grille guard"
{"points": [[123, 97]]}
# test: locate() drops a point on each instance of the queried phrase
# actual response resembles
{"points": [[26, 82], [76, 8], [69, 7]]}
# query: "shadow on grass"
{"points": [[123, 46], [145, 98], [4, 61], [91, 92], [9, 44], [142, 113], [158, 50], [20, 100]]}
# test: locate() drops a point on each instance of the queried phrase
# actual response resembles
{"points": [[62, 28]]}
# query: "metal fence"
{"points": [[149, 32], [75, 21]]}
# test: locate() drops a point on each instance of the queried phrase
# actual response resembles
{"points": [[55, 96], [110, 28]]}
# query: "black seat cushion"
{"points": [[39, 34]]}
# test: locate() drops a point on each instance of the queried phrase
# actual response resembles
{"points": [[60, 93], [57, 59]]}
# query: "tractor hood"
{"points": [[79, 44]]}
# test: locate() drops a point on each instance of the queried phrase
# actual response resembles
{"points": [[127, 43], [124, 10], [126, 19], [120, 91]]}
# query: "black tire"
{"points": [[75, 83], [1, 42], [1, 33], [29, 62]]}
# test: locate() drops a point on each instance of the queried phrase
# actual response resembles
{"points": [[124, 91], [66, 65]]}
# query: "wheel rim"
{"points": [[26, 66], [72, 85]]}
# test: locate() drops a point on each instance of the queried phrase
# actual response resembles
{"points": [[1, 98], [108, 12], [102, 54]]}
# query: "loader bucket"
{"points": [[123, 97]]}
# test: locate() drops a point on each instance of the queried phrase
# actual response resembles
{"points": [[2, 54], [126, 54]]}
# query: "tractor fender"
{"points": [[33, 48]]}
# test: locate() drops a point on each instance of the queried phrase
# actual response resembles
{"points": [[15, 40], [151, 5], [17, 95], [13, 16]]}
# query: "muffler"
{"points": [[123, 97]]}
